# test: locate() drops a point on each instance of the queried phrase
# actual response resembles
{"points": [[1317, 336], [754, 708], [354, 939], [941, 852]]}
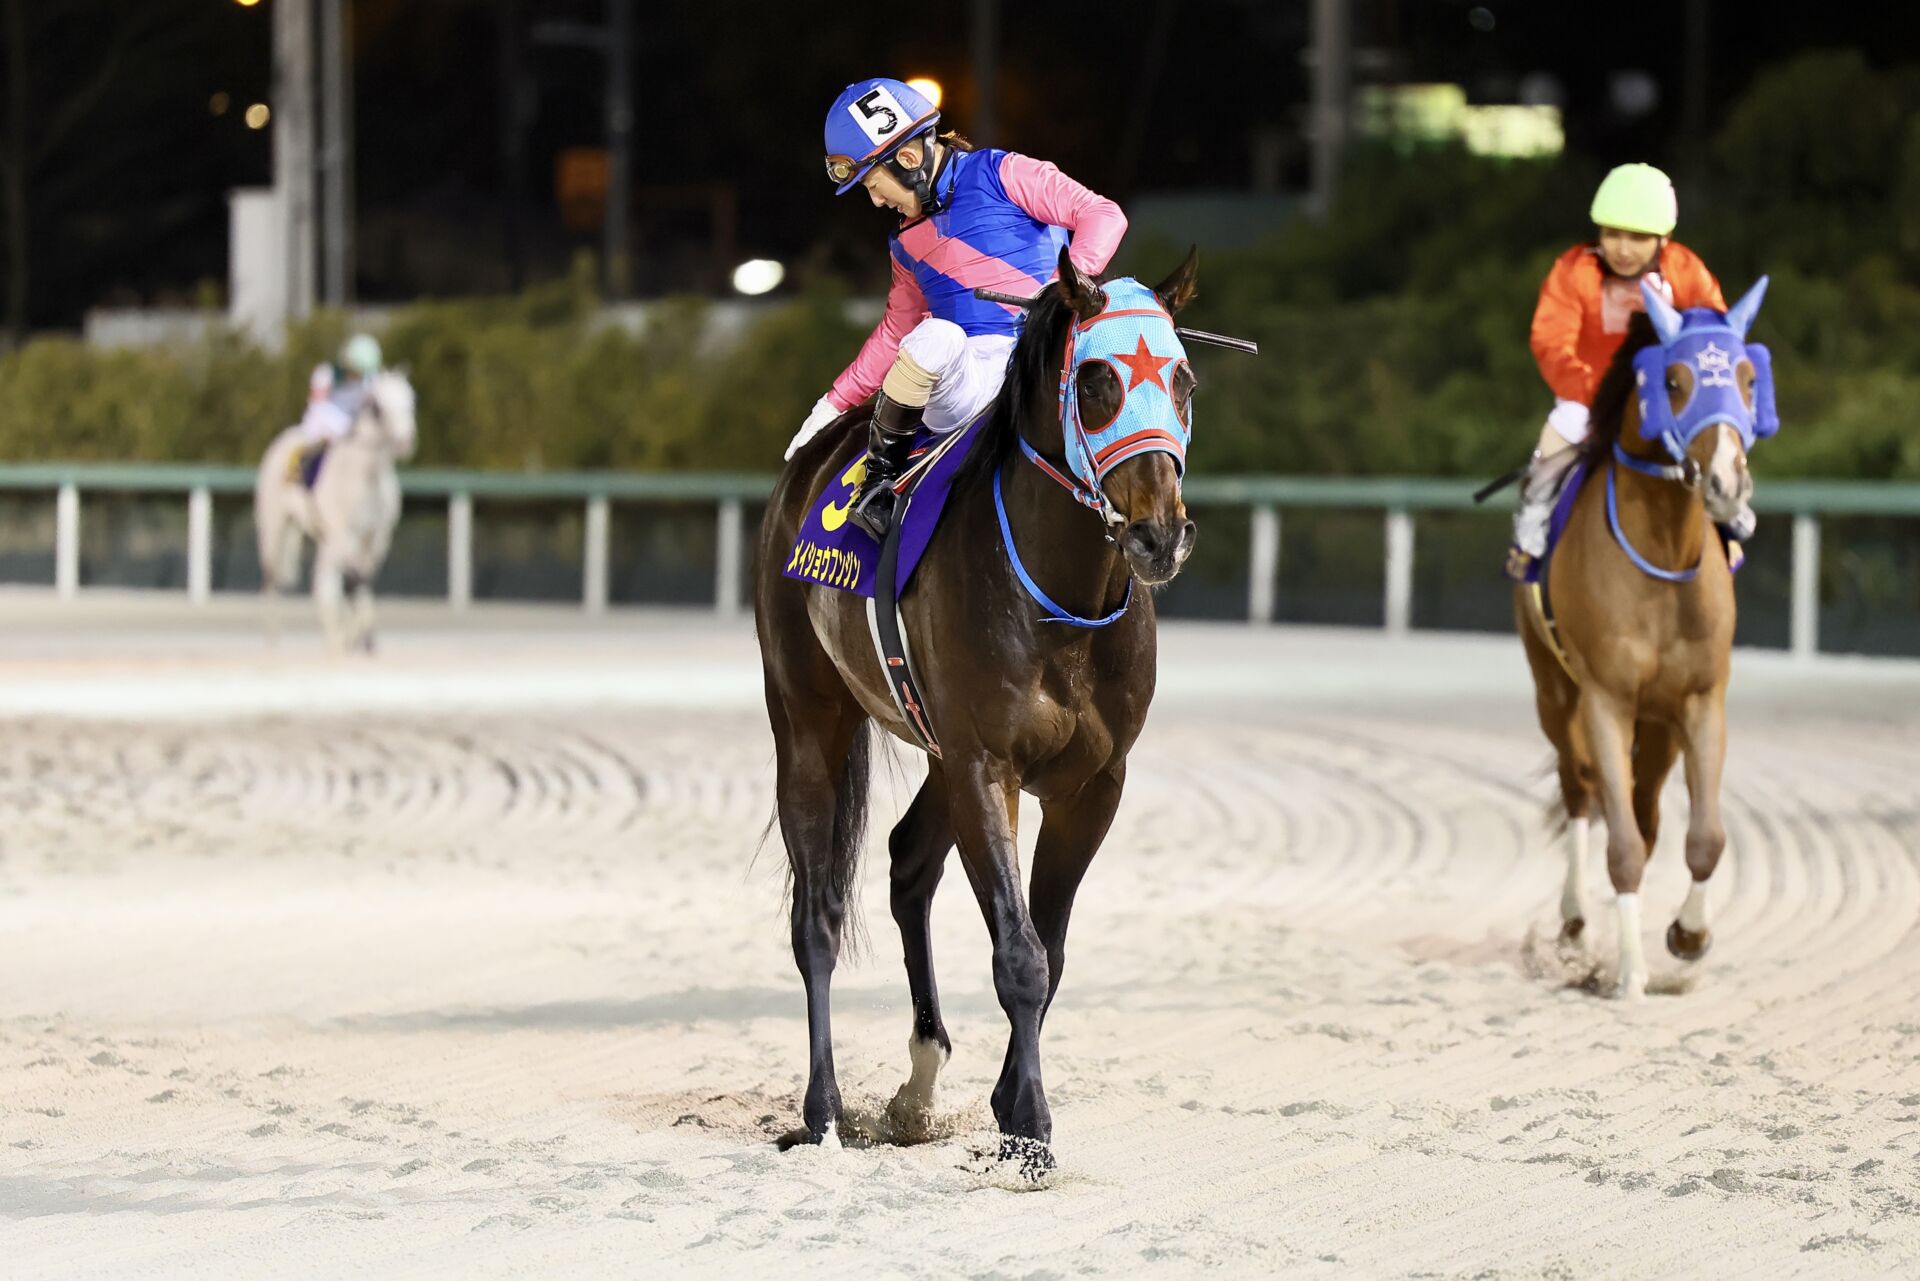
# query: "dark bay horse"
{"points": [[1643, 603], [1020, 701]]}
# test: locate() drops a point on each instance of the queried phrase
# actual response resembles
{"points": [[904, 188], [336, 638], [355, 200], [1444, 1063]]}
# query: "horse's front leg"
{"points": [[1609, 729], [919, 848], [363, 615], [1071, 830], [983, 797], [327, 597], [1704, 726]]}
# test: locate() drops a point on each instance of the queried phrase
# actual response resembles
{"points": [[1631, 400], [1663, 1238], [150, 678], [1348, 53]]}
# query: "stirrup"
{"points": [[873, 510]]}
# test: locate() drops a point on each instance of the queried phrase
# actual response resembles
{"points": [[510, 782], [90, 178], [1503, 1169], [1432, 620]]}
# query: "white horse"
{"points": [[349, 514]]}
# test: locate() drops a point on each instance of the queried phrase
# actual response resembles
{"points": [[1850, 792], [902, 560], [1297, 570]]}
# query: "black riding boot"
{"points": [[889, 439]]}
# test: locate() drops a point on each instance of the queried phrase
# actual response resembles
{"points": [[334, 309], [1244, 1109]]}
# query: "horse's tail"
{"points": [[850, 806]]}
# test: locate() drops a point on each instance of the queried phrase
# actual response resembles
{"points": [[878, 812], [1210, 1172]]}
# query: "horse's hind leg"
{"points": [[1576, 796], [1608, 727], [1556, 698], [1655, 745], [919, 848], [984, 809], [1071, 830], [1705, 729], [820, 792]]}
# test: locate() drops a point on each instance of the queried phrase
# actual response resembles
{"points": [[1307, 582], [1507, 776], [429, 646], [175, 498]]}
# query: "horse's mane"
{"points": [[1616, 390], [1028, 371]]}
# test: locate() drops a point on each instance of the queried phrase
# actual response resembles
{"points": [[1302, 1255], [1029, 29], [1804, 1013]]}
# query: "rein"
{"points": [[1640, 562], [1055, 614]]}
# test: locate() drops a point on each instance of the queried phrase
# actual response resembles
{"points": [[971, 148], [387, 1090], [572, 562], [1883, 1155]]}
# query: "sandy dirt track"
{"points": [[459, 966]]}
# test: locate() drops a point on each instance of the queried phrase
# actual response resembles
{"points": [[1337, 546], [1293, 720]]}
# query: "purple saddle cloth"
{"points": [[834, 552]]}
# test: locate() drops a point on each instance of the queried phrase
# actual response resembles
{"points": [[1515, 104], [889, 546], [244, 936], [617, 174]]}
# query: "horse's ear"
{"points": [[1179, 289], [1666, 320], [1085, 298], [1740, 315]]}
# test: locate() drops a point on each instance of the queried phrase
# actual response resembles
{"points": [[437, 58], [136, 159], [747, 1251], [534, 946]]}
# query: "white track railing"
{"points": [[1398, 499]]}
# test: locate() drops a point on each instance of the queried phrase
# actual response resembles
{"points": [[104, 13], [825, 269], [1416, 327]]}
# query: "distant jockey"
{"points": [[1585, 305], [336, 391], [969, 218]]}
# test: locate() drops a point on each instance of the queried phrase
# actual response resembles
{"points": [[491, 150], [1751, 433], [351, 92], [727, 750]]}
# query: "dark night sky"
{"points": [[729, 96]]}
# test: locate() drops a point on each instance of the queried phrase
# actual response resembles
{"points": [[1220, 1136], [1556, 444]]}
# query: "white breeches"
{"points": [[1568, 421], [324, 420], [968, 371]]}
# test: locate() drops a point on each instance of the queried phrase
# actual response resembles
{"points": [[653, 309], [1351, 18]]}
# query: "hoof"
{"points": [[1686, 944], [803, 1137], [1572, 928], [1033, 1158], [1631, 988], [910, 1115]]}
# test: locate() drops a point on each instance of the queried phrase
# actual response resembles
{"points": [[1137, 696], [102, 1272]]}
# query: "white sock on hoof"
{"points": [[1573, 893], [1693, 912], [915, 1098], [1633, 961]]}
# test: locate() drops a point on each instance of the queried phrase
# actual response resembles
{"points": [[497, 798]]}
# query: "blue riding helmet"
{"points": [[1713, 346], [868, 122]]}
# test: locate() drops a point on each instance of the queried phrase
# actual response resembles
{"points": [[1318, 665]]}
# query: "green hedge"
{"points": [[1394, 335]]}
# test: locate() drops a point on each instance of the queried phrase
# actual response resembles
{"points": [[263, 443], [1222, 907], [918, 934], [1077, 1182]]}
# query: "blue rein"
{"points": [[1055, 614], [1640, 562]]}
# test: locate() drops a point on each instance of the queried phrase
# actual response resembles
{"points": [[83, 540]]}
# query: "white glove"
{"points": [[823, 413], [1569, 418]]}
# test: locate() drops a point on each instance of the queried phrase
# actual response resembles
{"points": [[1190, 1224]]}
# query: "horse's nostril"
{"points": [[1143, 538]]}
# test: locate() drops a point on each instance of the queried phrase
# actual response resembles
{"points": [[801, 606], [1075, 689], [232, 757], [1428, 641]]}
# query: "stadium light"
{"points": [[927, 87], [258, 115], [758, 276]]}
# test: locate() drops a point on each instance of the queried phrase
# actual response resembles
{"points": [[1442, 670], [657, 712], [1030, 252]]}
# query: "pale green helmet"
{"points": [[1637, 198], [361, 355]]}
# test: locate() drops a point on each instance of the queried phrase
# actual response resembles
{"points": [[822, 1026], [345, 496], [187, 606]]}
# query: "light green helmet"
{"points": [[360, 354], [1637, 198]]}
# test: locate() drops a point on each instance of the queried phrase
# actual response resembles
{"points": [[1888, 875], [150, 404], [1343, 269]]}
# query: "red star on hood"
{"points": [[1145, 366]]}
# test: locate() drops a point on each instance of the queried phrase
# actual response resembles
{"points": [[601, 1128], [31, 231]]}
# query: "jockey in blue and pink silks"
{"points": [[969, 219]]}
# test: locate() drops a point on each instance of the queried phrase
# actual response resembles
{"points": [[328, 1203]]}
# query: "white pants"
{"points": [[324, 420], [1568, 420], [967, 371]]}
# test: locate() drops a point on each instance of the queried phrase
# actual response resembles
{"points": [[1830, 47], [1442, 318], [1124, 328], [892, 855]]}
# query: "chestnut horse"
{"points": [[1020, 698], [1643, 603]]}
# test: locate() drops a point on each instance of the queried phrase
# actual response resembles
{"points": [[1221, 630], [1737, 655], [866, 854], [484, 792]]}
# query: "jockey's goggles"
{"points": [[842, 170]]}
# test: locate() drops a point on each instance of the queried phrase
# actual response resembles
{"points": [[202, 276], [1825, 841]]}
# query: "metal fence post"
{"points": [[594, 573], [1399, 571], [1806, 586], [460, 550], [726, 559], [1263, 564], [66, 541], [199, 545]]}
